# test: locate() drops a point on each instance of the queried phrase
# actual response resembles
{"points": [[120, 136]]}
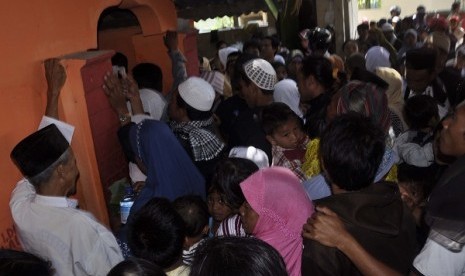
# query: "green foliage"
{"points": [[369, 4], [215, 23]]}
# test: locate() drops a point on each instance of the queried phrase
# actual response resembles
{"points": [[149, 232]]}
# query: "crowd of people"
{"points": [[271, 162]]}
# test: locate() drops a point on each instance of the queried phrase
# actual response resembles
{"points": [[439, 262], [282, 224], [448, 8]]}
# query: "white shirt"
{"points": [[182, 270], [53, 229], [435, 259], [231, 227], [411, 153], [153, 103]]}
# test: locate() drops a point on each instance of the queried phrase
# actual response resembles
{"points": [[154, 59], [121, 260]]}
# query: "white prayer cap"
{"points": [[224, 53], [197, 93], [254, 154]]}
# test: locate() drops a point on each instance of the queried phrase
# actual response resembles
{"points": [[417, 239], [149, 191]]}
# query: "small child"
{"points": [[281, 70], [284, 130], [415, 146], [415, 185], [226, 181], [157, 234], [136, 267], [194, 212], [217, 208]]}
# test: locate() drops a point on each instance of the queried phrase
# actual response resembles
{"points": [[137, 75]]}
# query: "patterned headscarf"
{"points": [[366, 99], [283, 207]]}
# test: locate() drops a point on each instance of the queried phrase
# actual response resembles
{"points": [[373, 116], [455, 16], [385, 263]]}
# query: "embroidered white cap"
{"points": [[197, 93], [261, 72]]}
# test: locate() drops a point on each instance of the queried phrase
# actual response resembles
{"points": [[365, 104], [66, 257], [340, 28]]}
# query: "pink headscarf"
{"points": [[283, 207]]}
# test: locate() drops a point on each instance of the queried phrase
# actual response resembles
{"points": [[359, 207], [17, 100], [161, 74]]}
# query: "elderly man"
{"points": [[47, 221]]}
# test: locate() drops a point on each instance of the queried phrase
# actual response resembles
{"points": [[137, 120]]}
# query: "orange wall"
{"points": [[31, 32]]}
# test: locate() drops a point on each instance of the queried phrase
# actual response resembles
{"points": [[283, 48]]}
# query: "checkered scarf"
{"points": [[204, 143]]}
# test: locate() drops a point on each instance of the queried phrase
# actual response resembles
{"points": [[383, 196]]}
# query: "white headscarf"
{"points": [[286, 91], [394, 92], [377, 56], [224, 53]]}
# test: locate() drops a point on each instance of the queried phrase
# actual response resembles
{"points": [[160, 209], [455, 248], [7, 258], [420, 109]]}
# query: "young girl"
{"points": [[194, 212], [218, 209], [229, 174]]}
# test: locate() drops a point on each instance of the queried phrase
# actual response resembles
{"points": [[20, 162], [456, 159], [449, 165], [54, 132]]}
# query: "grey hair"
{"points": [[45, 176]]}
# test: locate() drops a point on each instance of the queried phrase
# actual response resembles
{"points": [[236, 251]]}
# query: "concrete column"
{"points": [[342, 14]]}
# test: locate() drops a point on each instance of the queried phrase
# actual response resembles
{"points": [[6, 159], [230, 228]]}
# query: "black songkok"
{"points": [[38, 151]]}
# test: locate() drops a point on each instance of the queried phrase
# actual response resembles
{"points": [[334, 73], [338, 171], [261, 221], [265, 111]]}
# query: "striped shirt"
{"points": [[231, 227]]}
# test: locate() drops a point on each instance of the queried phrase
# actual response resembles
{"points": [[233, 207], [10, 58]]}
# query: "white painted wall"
{"points": [[408, 7]]}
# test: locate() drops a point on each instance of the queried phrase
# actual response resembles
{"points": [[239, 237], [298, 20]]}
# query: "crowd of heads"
{"points": [[264, 127]]}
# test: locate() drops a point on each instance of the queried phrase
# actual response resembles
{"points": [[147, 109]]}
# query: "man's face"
{"points": [[173, 109], [301, 85], [388, 35], [441, 59], [267, 52], [421, 12], [307, 87], [410, 40], [70, 174], [247, 92], [452, 139], [294, 66], [304, 43], [253, 51], [331, 109], [363, 34], [230, 64], [350, 48], [418, 80]]}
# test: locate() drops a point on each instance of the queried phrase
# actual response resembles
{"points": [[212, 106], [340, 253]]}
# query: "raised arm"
{"points": [[326, 228], [56, 77], [178, 61]]}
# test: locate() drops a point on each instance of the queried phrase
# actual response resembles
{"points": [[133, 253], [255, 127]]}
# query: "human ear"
{"points": [[271, 140], [60, 170]]}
